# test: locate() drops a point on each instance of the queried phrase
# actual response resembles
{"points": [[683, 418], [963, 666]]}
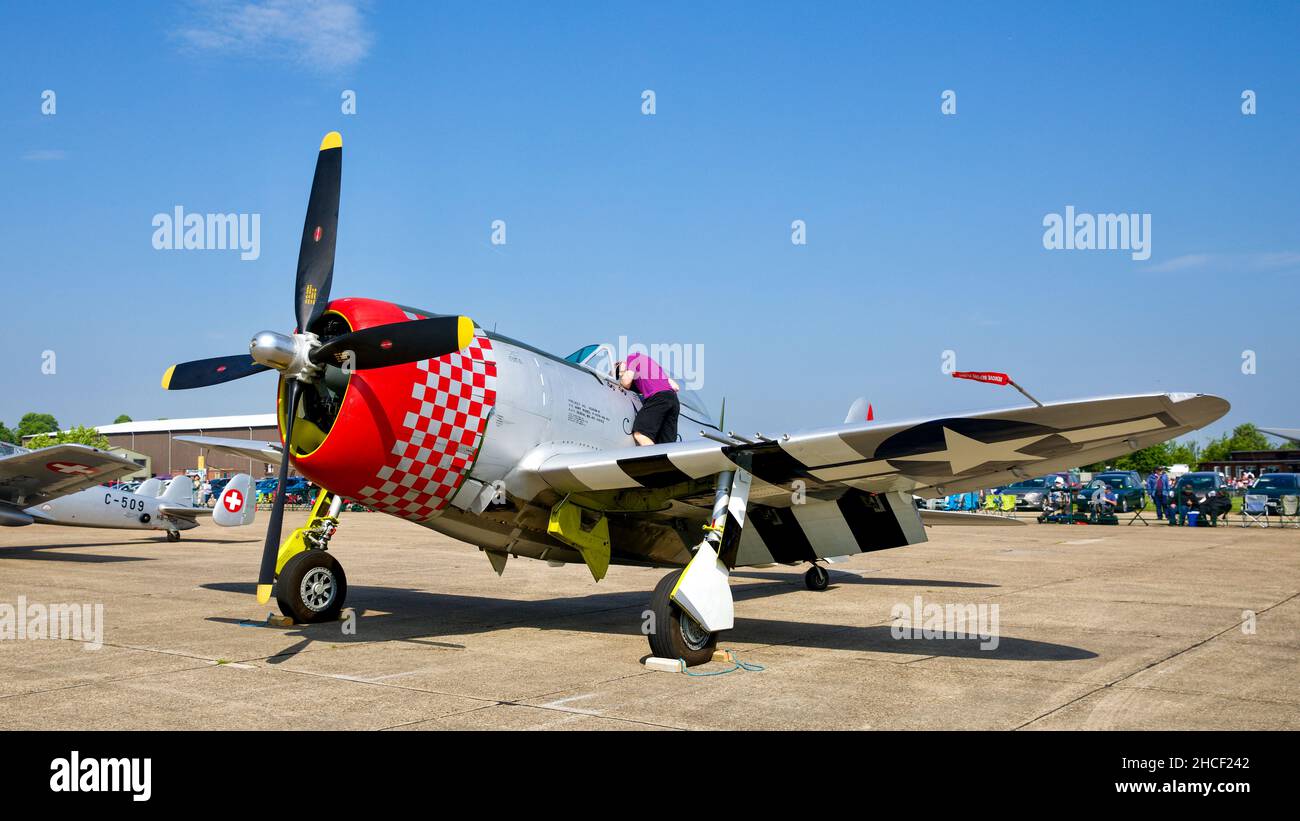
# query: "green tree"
{"points": [[121, 417], [33, 423], [1143, 461], [1184, 453], [7, 435], [80, 435], [1247, 437], [1217, 450]]}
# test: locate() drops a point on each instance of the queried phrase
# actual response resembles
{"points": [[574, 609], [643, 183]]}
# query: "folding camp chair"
{"points": [[1137, 514], [1289, 507], [990, 503], [1254, 509], [1008, 504]]}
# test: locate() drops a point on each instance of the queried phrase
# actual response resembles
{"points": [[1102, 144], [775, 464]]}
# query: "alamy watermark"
{"points": [[208, 232], [946, 621], [36, 621], [1100, 232], [683, 362]]}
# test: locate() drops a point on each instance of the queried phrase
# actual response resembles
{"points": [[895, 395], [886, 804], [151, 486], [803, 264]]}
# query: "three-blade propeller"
{"points": [[301, 358]]}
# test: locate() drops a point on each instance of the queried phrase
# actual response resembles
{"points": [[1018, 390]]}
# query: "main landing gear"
{"points": [[693, 605], [311, 586], [677, 635], [173, 535]]}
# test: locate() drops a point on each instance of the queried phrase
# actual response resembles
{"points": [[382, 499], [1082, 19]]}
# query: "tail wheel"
{"points": [[817, 578], [676, 635], [311, 588]]}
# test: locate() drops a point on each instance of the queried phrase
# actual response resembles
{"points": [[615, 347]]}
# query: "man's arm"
{"points": [[625, 375]]}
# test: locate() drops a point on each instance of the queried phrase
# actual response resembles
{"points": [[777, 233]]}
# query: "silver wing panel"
{"points": [[30, 478]]}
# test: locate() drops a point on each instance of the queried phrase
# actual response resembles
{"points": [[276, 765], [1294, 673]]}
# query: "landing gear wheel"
{"points": [[173, 535], [676, 635], [311, 588], [817, 578]]}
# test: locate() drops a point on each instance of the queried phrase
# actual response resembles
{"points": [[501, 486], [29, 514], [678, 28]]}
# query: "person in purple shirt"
{"points": [[656, 422]]}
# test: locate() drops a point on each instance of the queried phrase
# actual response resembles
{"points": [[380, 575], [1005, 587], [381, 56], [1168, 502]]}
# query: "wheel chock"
{"points": [[665, 665], [272, 620], [724, 656]]}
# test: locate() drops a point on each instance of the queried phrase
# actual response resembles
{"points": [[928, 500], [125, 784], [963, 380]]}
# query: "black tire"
{"points": [[817, 578], [173, 535], [328, 588], [675, 634]]}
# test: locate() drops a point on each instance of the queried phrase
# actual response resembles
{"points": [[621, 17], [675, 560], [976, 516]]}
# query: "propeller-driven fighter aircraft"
{"points": [[61, 485], [433, 419]]}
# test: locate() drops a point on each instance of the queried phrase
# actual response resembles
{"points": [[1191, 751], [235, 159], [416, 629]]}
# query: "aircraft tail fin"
{"points": [[150, 487], [179, 491], [237, 504]]}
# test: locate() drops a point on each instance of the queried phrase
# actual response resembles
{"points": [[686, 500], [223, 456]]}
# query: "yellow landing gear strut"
{"points": [[320, 527]]}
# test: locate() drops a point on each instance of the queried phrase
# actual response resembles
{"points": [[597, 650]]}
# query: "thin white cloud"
{"points": [[1241, 263], [45, 155], [327, 35]]}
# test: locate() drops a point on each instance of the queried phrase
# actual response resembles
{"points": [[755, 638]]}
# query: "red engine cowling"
{"points": [[405, 436]]}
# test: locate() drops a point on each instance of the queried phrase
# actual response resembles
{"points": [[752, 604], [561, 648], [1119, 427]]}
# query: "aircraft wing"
{"points": [[929, 458], [846, 489], [31, 477], [250, 448], [1283, 433]]}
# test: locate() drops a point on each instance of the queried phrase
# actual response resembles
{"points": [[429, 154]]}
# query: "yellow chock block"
{"points": [[724, 656], [665, 665], [273, 620]]}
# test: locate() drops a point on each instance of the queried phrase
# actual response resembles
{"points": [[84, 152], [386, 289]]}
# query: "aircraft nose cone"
{"points": [[272, 349]]}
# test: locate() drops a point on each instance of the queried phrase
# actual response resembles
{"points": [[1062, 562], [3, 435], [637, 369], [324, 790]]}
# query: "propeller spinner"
{"points": [[301, 357]]}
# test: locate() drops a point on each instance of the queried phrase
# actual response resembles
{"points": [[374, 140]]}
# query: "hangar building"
{"points": [[167, 457]]}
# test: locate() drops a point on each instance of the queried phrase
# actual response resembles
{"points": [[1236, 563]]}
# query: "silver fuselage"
{"points": [[105, 507], [545, 406]]}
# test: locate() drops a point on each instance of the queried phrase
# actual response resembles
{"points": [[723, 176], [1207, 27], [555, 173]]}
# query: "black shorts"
{"points": [[658, 417]]}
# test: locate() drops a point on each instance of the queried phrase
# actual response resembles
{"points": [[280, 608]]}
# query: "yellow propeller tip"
{"points": [[464, 332], [332, 140], [167, 378], [263, 593]]}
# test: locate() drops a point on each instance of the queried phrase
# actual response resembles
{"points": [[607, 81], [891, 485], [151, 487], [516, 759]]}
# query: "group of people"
{"points": [[1175, 505]]}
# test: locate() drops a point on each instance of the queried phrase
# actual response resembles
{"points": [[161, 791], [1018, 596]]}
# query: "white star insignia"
{"points": [[963, 453]]}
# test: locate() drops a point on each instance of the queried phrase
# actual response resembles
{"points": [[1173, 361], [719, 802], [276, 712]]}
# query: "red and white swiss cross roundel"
{"points": [[234, 501]]}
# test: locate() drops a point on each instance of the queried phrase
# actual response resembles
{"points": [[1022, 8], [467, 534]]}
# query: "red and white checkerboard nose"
{"points": [[406, 435], [440, 434]]}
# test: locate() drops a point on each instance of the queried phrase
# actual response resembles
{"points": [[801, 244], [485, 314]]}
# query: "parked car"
{"points": [[1126, 484], [1203, 482], [296, 484], [216, 485], [1275, 486], [1072, 479], [1028, 492]]}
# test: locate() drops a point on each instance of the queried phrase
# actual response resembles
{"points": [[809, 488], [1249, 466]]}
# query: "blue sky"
{"points": [[924, 231]]}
